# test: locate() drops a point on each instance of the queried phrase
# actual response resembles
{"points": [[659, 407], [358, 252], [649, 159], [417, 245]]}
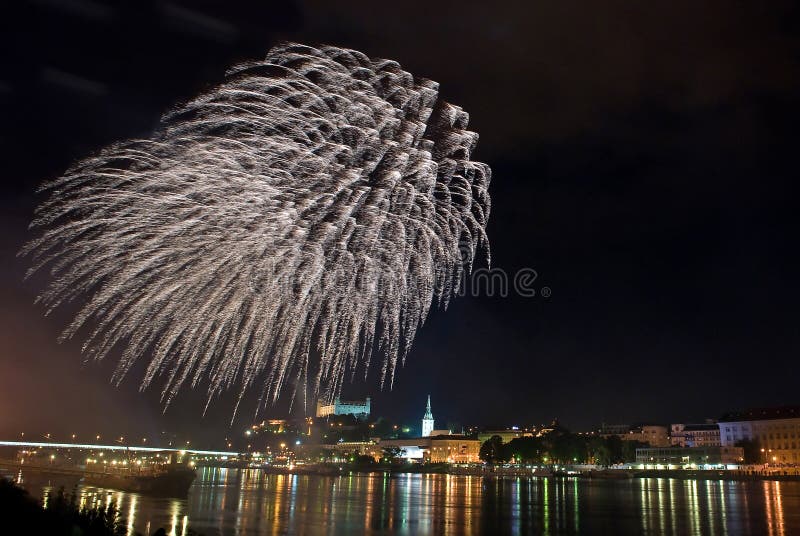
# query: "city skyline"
{"points": [[239, 437]]}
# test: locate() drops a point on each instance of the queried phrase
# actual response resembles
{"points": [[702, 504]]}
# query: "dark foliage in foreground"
{"points": [[22, 514]]}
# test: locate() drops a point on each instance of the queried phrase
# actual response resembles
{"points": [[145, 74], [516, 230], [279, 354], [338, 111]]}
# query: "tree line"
{"points": [[560, 447]]}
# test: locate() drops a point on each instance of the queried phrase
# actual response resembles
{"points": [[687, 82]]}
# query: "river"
{"points": [[244, 502]]}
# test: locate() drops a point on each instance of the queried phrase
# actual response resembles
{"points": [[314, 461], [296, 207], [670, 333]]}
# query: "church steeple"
{"points": [[427, 420]]}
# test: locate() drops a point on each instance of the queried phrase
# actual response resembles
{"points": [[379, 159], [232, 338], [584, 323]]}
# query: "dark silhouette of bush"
{"points": [[22, 514]]}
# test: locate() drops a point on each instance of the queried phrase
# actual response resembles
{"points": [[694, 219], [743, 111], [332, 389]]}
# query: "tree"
{"points": [[322, 454], [566, 447], [600, 451], [524, 450], [382, 428], [392, 454], [629, 449], [492, 450], [610, 450], [63, 515], [752, 450], [615, 448]]}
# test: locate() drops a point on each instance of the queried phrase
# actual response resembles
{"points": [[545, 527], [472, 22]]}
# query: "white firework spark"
{"points": [[273, 229]]}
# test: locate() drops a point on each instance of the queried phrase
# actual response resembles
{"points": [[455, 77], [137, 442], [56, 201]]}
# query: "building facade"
{"points": [[454, 449], [427, 420], [688, 456], [436, 449], [614, 429], [504, 435], [654, 435], [277, 426], [777, 431], [359, 409], [348, 448], [695, 435]]}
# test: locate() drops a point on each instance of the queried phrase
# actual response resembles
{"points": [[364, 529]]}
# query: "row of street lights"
{"points": [[766, 454], [97, 438]]}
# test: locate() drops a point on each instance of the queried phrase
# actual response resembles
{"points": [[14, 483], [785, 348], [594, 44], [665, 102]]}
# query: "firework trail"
{"points": [[276, 228]]}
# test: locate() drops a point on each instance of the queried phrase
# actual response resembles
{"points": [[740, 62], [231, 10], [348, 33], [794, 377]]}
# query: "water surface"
{"points": [[244, 502]]}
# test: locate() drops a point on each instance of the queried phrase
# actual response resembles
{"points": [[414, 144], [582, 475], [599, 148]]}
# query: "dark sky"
{"points": [[644, 164]]}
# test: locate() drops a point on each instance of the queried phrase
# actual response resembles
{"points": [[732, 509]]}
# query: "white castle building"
{"points": [[427, 420], [359, 409]]}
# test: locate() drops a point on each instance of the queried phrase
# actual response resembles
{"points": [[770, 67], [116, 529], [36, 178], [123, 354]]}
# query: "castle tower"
{"points": [[427, 420]]}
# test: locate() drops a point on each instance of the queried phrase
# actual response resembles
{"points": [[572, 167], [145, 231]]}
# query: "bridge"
{"points": [[124, 448]]}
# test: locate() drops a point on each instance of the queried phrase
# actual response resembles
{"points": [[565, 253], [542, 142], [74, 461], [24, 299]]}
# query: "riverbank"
{"points": [[530, 472], [690, 474]]}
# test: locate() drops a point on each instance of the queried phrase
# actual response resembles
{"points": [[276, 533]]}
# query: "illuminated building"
{"points": [[436, 449], [690, 455], [358, 409], [504, 435], [277, 426], [412, 449], [427, 420], [695, 435], [348, 448], [777, 431], [654, 435], [614, 429], [453, 449]]}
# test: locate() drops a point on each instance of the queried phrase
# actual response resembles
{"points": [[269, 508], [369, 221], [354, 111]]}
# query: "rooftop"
{"points": [[700, 427], [760, 414], [448, 436]]}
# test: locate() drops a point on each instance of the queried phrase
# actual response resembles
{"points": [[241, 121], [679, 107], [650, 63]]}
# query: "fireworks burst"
{"points": [[276, 228]]}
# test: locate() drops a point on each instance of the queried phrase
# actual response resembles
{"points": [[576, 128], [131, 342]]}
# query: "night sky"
{"points": [[644, 164]]}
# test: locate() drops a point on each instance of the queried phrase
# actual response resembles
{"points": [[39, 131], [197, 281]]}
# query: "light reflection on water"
{"points": [[241, 502]]}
